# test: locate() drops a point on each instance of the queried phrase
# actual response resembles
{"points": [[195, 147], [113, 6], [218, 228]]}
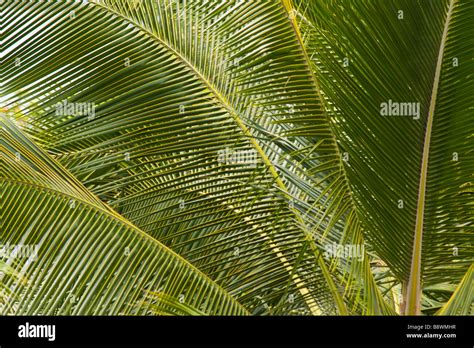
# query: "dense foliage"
{"points": [[229, 158]]}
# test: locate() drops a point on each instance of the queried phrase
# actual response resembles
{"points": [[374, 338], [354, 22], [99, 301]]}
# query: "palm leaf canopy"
{"points": [[415, 193], [226, 146]]}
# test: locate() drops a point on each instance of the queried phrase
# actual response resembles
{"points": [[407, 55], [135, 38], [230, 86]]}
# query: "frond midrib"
{"points": [[129, 225], [268, 163], [413, 305]]}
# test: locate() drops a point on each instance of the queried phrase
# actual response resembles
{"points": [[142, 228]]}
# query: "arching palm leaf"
{"points": [[410, 176]]}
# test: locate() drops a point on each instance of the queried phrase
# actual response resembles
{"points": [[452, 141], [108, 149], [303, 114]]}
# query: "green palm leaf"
{"points": [[230, 146], [92, 260], [412, 192], [462, 300], [144, 120]]}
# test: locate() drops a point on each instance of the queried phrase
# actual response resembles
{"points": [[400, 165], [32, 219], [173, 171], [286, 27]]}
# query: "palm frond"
{"points": [[91, 260], [356, 48], [462, 300]]}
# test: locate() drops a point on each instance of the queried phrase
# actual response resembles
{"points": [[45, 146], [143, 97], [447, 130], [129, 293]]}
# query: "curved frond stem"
{"points": [[414, 288]]}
